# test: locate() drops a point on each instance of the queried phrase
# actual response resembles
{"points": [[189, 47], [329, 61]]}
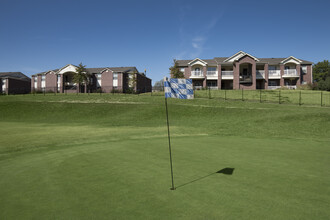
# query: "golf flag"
{"points": [[179, 88]]}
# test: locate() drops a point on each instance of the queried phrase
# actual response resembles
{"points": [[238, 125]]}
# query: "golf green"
{"points": [[106, 157]]}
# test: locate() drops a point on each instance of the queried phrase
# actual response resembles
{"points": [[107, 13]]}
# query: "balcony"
{"points": [[274, 87], [212, 74], [291, 87], [274, 74], [245, 79], [289, 73], [260, 74], [197, 75], [229, 74]]}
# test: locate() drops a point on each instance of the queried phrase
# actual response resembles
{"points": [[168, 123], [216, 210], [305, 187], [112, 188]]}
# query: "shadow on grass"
{"points": [[226, 171]]}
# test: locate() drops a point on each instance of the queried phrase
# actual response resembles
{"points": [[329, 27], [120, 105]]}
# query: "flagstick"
{"points": [[169, 144]]}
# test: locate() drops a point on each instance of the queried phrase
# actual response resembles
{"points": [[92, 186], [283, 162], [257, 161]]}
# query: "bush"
{"points": [[308, 86], [324, 84]]}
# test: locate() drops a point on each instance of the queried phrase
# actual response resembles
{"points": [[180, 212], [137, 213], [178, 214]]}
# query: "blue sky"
{"points": [[36, 36]]}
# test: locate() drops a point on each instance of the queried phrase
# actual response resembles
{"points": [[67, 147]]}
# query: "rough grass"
{"points": [[106, 157], [296, 97]]}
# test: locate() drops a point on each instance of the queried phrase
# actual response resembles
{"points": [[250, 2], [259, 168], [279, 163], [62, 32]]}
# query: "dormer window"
{"points": [[197, 70]]}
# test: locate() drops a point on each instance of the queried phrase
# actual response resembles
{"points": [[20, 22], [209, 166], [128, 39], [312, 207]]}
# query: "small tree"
{"points": [[132, 80], [81, 76], [175, 71]]}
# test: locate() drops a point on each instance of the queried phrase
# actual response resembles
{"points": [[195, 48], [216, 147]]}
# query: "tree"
{"points": [[81, 76], [321, 70], [159, 85], [132, 80], [175, 71]]}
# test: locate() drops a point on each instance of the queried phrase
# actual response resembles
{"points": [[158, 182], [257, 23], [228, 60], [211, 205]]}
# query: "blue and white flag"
{"points": [[179, 88]]}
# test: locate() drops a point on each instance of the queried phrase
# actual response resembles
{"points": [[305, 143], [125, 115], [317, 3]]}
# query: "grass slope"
{"points": [[83, 157]]}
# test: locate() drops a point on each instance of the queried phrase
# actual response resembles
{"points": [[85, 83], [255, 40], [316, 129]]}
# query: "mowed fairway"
{"points": [[106, 157]]}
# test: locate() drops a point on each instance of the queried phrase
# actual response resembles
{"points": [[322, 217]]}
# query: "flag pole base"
{"points": [[172, 188]]}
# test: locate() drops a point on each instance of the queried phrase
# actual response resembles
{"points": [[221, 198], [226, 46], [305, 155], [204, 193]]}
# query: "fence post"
{"points": [[209, 93], [299, 98], [279, 96], [260, 96], [225, 95], [321, 98]]}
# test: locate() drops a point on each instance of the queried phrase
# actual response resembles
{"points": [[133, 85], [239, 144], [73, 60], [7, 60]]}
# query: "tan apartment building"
{"points": [[244, 71], [101, 79]]}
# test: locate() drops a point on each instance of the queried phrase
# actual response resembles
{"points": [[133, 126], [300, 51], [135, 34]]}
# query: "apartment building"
{"points": [[14, 83], [244, 71], [102, 79]]}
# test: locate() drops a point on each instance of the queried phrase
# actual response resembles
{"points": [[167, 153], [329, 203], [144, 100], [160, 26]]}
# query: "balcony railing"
{"points": [[260, 74], [290, 72], [274, 87], [197, 74], [227, 73], [198, 87], [211, 73], [291, 87], [245, 79], [274, 73]]}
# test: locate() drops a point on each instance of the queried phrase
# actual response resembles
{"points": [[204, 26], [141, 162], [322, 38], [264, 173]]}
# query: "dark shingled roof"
{"points": [[14, 75], [185, 62], [114, 69], [98, 70]]}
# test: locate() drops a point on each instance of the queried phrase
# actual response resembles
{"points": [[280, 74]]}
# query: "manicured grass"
{"points": [[106, 157]]}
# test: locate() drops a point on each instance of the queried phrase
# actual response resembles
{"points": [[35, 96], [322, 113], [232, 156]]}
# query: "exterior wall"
{"points": [[38, 82], [120, 82], [298, 67], [107, 79], [236, 75], [219, 77], [61, 88], [266, 75], [32, 83], [204, 73], [308, 76], [16, 86], [252, 86], [51, 82], [282, 73], [143, 84], [187, 72]]}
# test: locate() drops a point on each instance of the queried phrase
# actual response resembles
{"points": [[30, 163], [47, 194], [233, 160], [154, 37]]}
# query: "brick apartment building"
{"points": [[14, 83], [244, 71], [105, 79]]}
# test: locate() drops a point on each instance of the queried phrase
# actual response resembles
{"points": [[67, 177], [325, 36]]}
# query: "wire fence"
{"points": [[296, 97]]}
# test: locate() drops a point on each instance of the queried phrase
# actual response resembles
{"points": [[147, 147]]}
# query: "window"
{"points": [[115, 80], [211, 69], [182, 69], [43, 81], [211, 83], [197, 69], [98, 80], [304, 69]]}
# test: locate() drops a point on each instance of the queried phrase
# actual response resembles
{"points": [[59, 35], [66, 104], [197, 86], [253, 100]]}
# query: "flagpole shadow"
{"points": [[226, 171]]}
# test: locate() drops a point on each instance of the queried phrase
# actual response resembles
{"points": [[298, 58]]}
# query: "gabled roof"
{"points": [[199, 61], [228, 60], [14, 75], [239, 55], [291, 59]]}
